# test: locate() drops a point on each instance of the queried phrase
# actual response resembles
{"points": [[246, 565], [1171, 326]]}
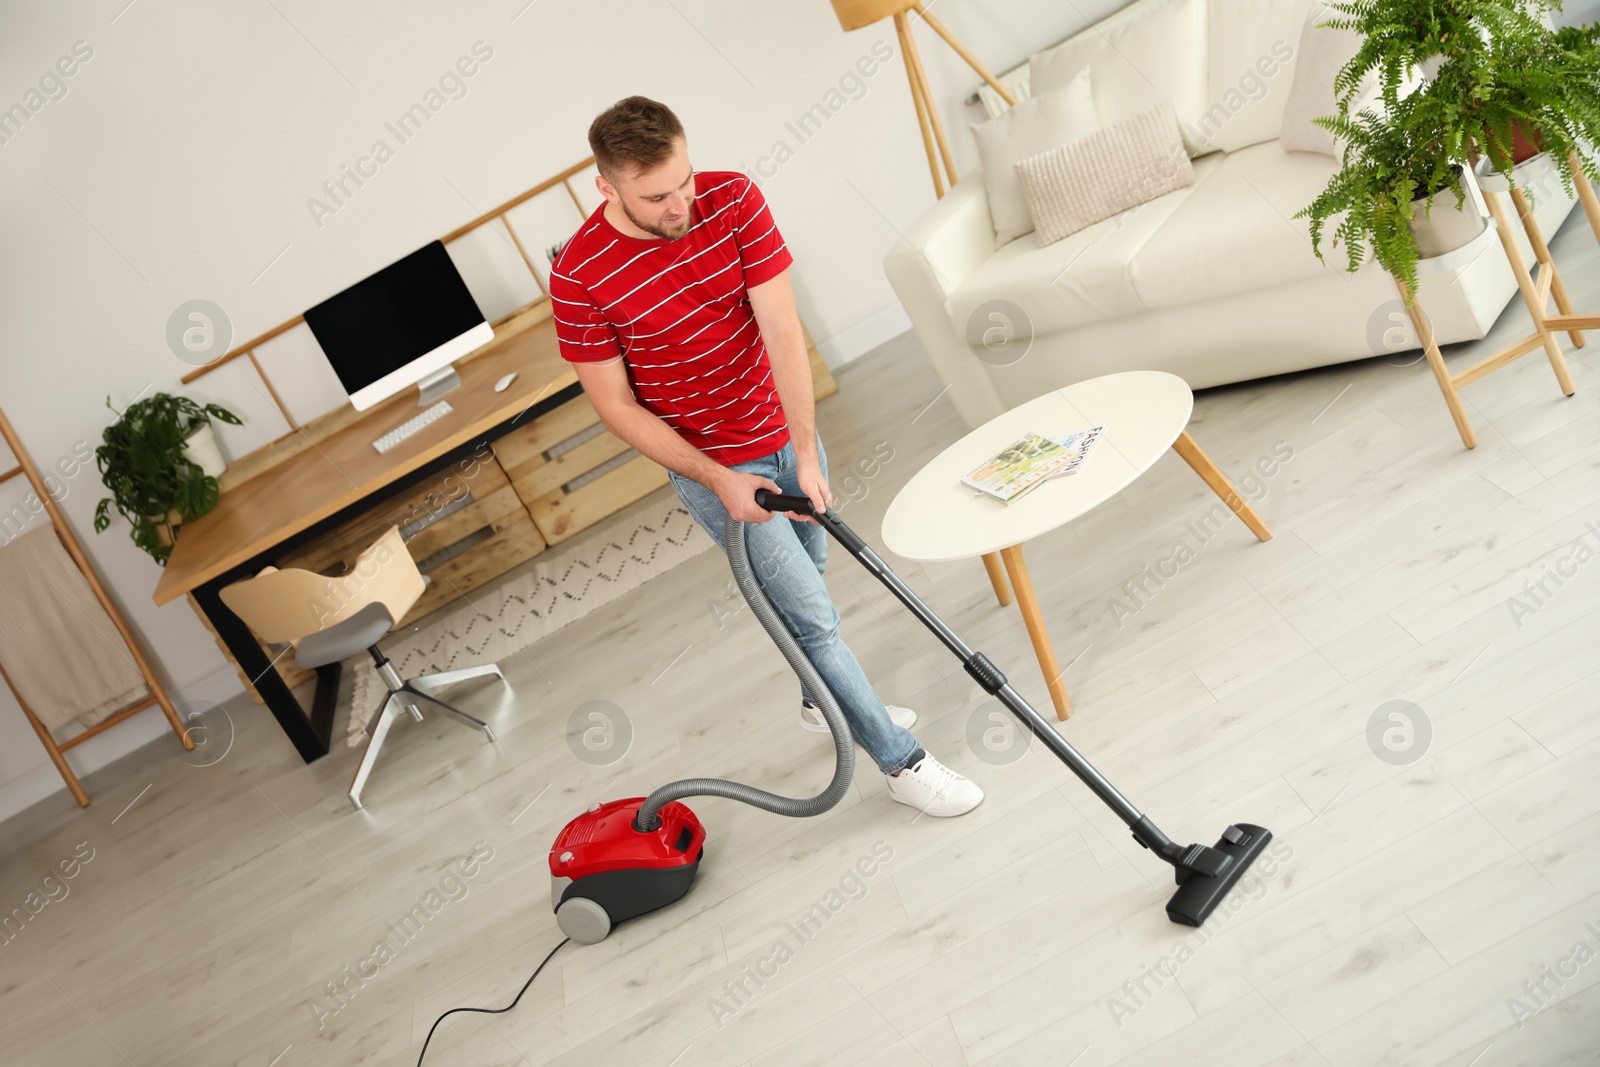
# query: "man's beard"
{"points": [[670, 235]]}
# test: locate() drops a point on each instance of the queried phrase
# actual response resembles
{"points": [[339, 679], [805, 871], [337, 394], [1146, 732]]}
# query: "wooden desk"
{"points": [[284, 504], [318, 485]]}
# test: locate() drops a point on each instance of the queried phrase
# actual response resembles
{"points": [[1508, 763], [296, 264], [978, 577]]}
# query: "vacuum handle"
{"points": [[827, 519], [770, 501], [978, 665]]}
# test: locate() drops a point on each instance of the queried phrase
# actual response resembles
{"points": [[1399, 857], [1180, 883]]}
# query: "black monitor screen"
{"points": [[401, 313]]}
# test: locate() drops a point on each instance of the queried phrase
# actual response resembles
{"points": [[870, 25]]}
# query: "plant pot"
{"points": [[1446, 227], [201, 447], [1525, 144], [165, 534], [1533, 176]]}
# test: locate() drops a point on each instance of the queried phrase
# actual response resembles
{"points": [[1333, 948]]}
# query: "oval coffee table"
{"points": [[936, 518]]}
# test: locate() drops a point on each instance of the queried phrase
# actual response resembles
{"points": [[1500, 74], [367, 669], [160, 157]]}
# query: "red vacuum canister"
{"points": [[603, 871]]}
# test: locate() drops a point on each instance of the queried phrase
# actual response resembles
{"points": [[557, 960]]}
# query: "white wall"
{"points": [[1579, 13], [179, 161]]}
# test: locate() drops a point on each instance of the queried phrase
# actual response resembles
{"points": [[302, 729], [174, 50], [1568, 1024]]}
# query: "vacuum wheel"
{"points": [[583, 920]]}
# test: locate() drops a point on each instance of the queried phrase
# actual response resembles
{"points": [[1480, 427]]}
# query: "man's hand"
{"points": [[737, 491], [808, 470]]}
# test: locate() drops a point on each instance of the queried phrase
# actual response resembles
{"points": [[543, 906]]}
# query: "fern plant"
{"points": [[1497, 70], [1384, 178]]}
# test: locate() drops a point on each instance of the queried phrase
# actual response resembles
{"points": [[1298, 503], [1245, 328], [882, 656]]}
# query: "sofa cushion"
{"points": [[1081, 279], [1235, 231], [1153, 50], [1105, 173], [1323, 53], [1250, 63], [1038, 124]]}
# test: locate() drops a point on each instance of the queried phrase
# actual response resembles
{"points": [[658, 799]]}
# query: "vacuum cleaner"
{"points": [[625, 858]]}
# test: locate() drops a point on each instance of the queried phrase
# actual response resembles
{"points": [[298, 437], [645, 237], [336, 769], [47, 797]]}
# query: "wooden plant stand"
{"points": [[1537, 287]]}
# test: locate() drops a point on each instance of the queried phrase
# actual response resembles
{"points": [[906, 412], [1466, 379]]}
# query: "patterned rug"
{"points": [[557, 587]]}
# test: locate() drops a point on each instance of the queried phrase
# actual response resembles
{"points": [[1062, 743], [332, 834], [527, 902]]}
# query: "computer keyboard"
{"points": [[406, 429]]}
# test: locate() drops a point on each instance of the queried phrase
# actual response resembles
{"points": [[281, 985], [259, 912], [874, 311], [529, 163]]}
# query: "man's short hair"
{"points": [[633, 134]]}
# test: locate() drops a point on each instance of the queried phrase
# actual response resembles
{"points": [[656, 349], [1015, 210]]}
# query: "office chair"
{"points": [[328, 619]]}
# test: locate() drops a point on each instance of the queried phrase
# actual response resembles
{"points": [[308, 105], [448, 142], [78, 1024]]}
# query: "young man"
{"points": [[672, 302]]}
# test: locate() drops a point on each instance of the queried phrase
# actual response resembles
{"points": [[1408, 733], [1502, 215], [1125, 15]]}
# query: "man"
{"points": [[672, 301]]}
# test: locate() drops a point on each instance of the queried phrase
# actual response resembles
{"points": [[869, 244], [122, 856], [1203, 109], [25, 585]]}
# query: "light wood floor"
{"points": [[1409, 904]]}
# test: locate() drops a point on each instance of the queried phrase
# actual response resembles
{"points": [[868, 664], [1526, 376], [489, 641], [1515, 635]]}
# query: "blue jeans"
{"points": [[801, 598]]}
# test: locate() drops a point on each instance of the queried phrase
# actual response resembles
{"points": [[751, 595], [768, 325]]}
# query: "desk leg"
{"points": [[1207, 470], [310, 738], [324, 701], [1033, 618], [997, 578]]}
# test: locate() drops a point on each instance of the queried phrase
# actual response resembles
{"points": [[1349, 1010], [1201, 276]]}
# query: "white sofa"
{"points": [[1215, 282]]}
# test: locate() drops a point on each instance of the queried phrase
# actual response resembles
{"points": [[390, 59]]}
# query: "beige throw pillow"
{"points": [[1035, 125], [1323, 53], [1105, 173]]}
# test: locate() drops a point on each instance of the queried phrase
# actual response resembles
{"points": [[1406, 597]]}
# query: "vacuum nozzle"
{"points": [[1199, 892]]}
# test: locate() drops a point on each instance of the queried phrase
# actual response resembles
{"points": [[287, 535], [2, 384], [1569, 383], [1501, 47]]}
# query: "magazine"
{"points": [[1081, 443], [1030, 461]]}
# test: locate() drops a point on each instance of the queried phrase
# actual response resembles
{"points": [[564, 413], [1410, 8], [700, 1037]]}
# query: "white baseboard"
{"points": [[862, 336], [40, 781]]}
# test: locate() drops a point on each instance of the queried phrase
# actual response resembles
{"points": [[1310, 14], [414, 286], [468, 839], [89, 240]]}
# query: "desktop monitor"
{"points": [[406, 323]]}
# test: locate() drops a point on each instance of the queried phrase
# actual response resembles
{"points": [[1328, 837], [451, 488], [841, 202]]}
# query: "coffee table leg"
{"points": [[1034, 620], [1207, 470], [997, 578]]}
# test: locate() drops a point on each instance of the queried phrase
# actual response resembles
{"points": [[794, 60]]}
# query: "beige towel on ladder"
{"points": [[61, 650]]}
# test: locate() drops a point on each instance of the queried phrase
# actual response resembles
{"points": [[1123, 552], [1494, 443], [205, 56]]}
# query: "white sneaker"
{"points": [[934, 789], [811, 717]]}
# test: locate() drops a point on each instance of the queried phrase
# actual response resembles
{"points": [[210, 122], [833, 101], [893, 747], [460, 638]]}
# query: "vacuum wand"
{"points": [[1204, 873]]}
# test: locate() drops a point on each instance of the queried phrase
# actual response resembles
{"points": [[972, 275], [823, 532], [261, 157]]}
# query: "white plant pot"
{"points": [[1535, 175], [1446, 227], [201, 448]]}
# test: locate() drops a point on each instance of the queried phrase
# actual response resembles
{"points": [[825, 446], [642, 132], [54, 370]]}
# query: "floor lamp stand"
{"points": [[854, 14]]}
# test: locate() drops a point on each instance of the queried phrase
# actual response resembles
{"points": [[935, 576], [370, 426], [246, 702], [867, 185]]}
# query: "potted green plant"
{"points": [[154, 483], [1386, 190], [1500, 86]]}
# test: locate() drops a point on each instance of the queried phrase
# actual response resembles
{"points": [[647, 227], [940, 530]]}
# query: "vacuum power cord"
{"points": [[487, 1011]]}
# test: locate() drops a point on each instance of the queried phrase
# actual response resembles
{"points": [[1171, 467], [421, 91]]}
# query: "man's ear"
{"points": [[607, 190]]}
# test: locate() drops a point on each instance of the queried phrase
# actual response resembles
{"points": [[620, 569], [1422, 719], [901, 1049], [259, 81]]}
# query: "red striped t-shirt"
{"points": [[678, 313]]}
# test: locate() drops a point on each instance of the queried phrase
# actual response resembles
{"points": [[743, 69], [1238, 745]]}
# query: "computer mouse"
{"points": [[505, 383]]}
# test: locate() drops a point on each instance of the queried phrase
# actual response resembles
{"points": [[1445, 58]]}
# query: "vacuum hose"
{"points": [[843, 744]]}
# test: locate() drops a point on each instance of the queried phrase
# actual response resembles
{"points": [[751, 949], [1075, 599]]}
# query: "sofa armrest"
{"points": [[935, 255], [954, 238]]}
